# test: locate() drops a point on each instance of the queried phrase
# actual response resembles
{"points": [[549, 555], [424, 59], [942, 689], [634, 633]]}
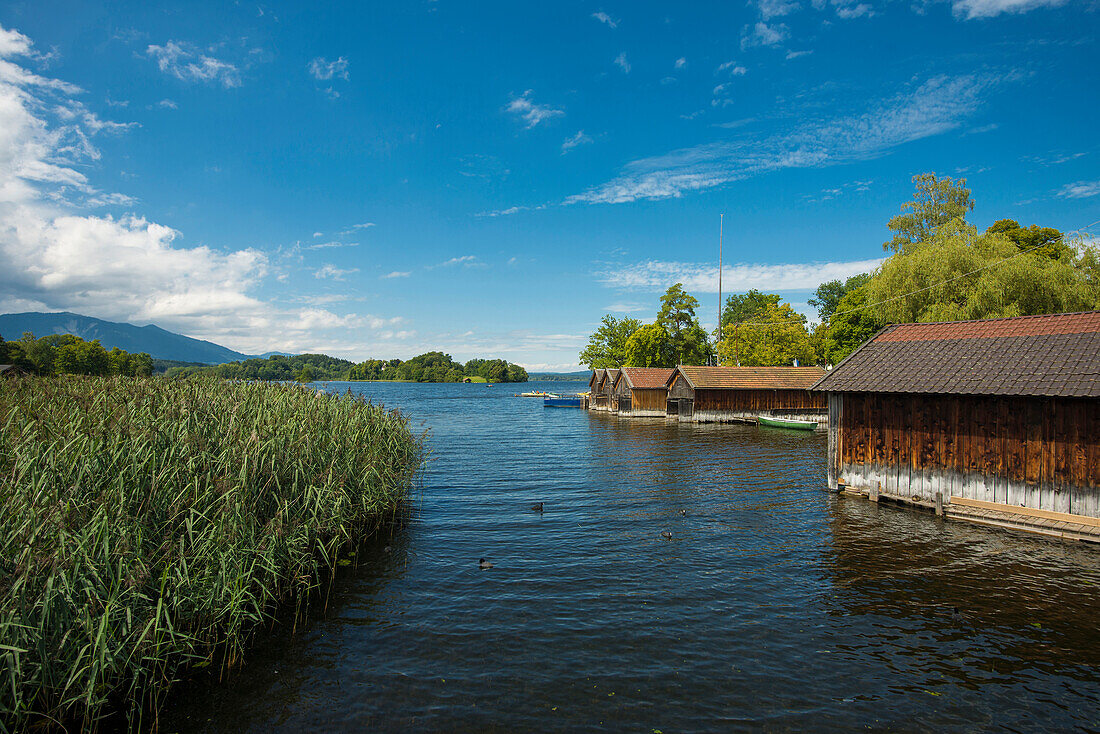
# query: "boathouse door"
{"points": [[687, 408]]}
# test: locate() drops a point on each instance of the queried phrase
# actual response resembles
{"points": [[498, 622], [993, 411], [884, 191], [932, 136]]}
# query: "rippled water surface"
{"points": [[776, 605]]}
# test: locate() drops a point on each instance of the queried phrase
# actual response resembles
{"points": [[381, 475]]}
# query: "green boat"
{"points": [[787, 423]]}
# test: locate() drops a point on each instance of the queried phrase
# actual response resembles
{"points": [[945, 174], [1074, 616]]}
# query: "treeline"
{"points": [[941, 268], [438, 367], [429, 367], [65, 354]]}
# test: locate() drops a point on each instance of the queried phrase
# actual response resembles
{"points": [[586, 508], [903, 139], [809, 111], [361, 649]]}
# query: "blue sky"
{"points": [[489, 179]]}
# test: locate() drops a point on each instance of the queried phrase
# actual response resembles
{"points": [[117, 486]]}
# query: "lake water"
{"points": [[776, 605]]}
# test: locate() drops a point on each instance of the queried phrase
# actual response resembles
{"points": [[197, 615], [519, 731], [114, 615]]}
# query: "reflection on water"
{"points": [[775, 604]]}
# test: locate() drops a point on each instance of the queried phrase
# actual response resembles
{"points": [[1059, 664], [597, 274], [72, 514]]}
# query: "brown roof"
{"points": [[1056, 355], [609, 378], [647, 378], [751, 378], [597, 375]]}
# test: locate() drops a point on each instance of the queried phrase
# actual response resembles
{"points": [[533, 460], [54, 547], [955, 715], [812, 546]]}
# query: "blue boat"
{"points": [[558, 401]]}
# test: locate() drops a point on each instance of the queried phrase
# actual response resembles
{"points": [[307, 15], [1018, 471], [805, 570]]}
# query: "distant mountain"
{"points": [[154, 340], [559, 376]]}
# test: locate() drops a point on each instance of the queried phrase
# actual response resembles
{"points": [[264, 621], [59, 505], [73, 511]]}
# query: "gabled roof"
{"points": [[646, 378], [597, 375], [609, 377], [1055, 355], [750, 378]]}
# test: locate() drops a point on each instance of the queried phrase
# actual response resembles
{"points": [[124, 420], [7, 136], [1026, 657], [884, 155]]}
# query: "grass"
{"points": [[148, 526]]}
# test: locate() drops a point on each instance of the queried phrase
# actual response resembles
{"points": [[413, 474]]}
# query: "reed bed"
{"points": [[148, 526]]}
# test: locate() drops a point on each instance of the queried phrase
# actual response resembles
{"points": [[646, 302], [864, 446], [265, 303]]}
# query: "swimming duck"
{"points": [[683, 513], [484, 564], [666, 535], [536, 507]]}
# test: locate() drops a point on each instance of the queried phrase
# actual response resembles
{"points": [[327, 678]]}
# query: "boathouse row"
{"points": [[717, 394], [600, 398], [1002, 411], [641, 391]]}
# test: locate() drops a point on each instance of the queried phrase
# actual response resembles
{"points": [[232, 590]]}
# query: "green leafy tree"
{"points": [[81, 358], [852, 324], [688, 339], [1040, 241], [607, 345], [828, 294], [937, 202], [305, 374], [747, 306], [650, 346], [774, 338]]}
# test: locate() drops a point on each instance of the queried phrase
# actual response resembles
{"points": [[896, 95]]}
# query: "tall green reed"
{"points": [[149, 525]]}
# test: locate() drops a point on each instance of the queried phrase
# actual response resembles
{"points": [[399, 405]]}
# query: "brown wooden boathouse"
{"points": [[1003, 413], [717, 394], [601, 395], [641, 391], [594, 388]]}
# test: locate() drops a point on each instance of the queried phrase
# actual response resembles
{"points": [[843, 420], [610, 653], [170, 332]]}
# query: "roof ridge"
{"points": [[996, 318]]}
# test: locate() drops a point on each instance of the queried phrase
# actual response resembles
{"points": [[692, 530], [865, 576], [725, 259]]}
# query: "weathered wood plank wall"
{"points": [[1010, 450], [755, 401]]}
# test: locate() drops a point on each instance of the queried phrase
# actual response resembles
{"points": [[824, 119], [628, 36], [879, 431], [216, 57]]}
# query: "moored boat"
{"points": [[562, 401], [787, 423]]}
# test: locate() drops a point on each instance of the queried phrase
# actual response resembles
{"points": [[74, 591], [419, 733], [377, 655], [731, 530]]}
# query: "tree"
{"points": [[688, 339], [1040, 241], [82, 358], [775, 337], [937, 202], [305, 374], [958, 274], [828, 294], [607, 345], [852, 324], [650, 346], [747, 307]]}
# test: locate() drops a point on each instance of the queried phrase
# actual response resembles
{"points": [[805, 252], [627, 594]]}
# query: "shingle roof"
{"points": [[1055, 355], [751, 378], [647, 378], [597, 375]]}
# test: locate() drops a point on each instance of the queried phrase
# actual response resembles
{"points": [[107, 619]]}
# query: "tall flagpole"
{"points": [[721, 217]]}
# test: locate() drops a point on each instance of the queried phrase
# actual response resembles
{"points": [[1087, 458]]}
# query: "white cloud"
{"points": [[167, 104], [797, 54], [971, 9], [531, 113], [622, 63], [732, 67], [936, 106], [579, 139], [656, 275], [605, 18], [330, 245], [322, 69], [187, 63], [468, 261], [680, 63], [775, 8], [849, 10], [318, 234], [763, 34], [331, 272], [397, 274], [626, 308], [1080, 190]]}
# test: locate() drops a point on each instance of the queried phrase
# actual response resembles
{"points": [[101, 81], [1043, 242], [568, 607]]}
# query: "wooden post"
{"points": [[872, 493], [939, 504]]}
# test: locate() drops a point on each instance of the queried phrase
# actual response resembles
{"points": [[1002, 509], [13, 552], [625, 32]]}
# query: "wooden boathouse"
{"points": [[1000, 415], [720, 394], [594, 388], [601, 396], [641, 391]]}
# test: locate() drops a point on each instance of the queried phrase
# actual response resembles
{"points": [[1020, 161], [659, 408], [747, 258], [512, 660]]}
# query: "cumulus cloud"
{"points": [[187, 63], [936, 106], [971, 9], [54, 256], [773, 8], [763, 34], [329, 271], [531, 113], [732, 67], [654, 275], [397, 274]]}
